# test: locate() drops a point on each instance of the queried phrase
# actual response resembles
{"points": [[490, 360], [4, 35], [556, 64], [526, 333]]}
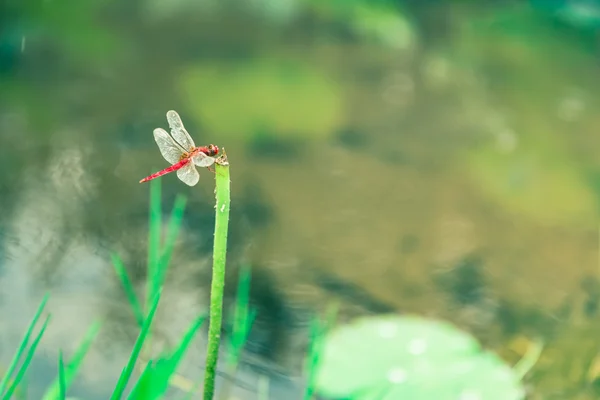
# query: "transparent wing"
{"points": [[178, 131], [202, 160], [188, 174], [170, 150]]}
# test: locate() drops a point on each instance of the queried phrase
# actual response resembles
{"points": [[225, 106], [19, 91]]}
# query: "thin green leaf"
{"points": [[154, 235], [238, 340], [173, 230], [72, 368], [62, 384], [128, 287], [137, 348], [242, 319], [312, 357], [21, 392], [143, 387], [163, 369], [529, 359], [26, 361], [24, 387], [23, 345], [317, 336], [185, 341], [153, 382], [154, 225]]}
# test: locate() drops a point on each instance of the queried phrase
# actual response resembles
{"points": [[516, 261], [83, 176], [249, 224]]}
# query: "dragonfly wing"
{"points": [[178, 131], [170, 150], [188, 174], [202, 160]]}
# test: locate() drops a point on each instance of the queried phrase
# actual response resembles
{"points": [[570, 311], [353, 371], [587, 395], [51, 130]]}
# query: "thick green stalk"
{"points": [[218, 274]]}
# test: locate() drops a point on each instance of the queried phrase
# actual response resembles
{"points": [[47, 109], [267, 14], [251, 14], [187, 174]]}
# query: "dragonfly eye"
{"points": [[213, 149]]}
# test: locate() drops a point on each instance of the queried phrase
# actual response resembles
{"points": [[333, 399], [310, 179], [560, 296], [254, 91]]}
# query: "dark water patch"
{"points": [[133, 131], [519, 319], [464, 282], [371, 74], [349, 291], [593, 178], [409, 244], [10, 47], [274, 318], [352, 138], [591, 289], [255, 207], [268, 145], [395, 157]]}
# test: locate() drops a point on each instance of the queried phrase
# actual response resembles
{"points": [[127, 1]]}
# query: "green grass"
{"points": [[157, 375], [137, 348], [8, 384], [62, 381], [70, 370], [242, 319], [57, 390], [319, 328]]}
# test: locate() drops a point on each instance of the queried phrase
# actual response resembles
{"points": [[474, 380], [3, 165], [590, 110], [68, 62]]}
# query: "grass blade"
{"points": [[172, 232], [27, 360], [153, 285], [137, 348], [62, 384], [143, 387], [185, 341], [529, 359], [21, 393], [156, 380], [242, 320], [23, 345], [317, 335], [313, 357], [23, 389], [72, 368], [128, 287], [154, 225]]}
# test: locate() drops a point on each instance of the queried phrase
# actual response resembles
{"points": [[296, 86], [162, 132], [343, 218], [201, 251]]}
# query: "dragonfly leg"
{"points": [[211, 169]]}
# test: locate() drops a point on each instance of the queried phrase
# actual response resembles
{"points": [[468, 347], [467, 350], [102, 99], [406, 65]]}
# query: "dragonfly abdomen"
{"points": [[165, 171]]}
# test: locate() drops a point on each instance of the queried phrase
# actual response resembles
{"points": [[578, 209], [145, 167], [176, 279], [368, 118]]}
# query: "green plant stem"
{"points": [[218, 276], [529, 359]]}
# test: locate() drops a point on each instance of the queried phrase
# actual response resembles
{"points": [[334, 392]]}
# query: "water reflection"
{"points": [[386, 180], [59, 238]]}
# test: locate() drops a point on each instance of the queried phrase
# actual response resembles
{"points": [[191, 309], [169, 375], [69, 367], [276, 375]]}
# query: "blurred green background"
{"points": [[430, 157]]}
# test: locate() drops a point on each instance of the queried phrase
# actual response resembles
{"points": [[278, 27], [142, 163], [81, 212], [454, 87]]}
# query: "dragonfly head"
{"points": [[213, 150]]}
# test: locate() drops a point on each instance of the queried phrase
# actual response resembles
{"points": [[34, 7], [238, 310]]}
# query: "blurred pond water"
{"points": [[432, 159]]}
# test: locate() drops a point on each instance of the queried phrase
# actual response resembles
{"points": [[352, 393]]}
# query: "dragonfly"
{"points": [[179, 149]]}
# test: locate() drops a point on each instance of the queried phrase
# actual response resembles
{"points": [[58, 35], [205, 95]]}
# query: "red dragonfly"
{"points": [[179, 149]]}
